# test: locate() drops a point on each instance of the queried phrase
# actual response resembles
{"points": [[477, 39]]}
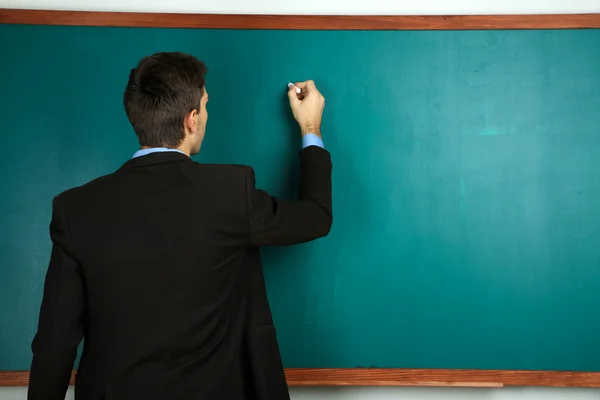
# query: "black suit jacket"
{"points": [[157, 267]]}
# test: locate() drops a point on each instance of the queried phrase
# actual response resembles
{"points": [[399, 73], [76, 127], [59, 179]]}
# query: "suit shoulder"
{"points": [[76, 193]]}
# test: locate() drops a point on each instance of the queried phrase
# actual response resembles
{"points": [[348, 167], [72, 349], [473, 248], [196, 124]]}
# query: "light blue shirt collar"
{"points": [[145, 152]]}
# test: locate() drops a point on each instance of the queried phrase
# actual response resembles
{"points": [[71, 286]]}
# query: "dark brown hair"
{"points": [[161, 91]]}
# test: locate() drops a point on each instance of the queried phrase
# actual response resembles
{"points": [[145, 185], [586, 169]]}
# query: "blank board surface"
{"points": [[466, 182]]}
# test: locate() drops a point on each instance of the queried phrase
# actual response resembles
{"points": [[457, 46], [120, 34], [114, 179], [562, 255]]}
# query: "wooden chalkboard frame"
{"points": [[343, 376], [300, 22], [404, 377]]}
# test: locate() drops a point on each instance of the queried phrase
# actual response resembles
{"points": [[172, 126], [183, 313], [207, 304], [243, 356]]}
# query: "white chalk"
{"points": [[298, 90]]}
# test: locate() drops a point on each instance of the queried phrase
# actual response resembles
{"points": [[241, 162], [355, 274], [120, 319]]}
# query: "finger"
{"points": [[291, 85], [307, 87], [293, 95], [301, 85]]}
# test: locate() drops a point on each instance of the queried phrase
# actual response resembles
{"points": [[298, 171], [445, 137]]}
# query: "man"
{"points": [[157, 265]]}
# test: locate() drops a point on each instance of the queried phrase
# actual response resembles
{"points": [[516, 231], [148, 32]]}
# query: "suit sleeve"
{"points": [[274, 221], [60, 327]]}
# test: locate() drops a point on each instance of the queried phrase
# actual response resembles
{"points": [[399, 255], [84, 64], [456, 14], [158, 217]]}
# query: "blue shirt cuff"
{"points": [[310, 139]]}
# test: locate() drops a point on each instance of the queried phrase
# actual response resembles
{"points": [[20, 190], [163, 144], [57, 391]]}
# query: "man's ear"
{"points": [[191, 121]]}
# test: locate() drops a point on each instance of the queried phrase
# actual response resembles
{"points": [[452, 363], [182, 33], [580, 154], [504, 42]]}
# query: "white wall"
{"points": [[321, 6], [351, 7]]}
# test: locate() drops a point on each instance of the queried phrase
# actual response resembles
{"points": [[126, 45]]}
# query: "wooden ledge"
{"points": [[404, 377], [316, 22], [438, 377]]}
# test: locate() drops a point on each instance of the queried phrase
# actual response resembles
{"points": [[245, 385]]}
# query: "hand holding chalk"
{"points": [[308, 107]]}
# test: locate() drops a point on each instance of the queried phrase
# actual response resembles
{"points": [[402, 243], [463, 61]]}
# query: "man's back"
{"points": [[157, 267], [163, 255]]}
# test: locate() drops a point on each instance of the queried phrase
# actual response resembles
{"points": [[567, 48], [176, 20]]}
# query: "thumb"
{"points": [[293, 96]]}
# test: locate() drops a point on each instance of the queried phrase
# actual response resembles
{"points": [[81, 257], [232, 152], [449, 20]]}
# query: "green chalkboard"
{"points": [[466, 182]]}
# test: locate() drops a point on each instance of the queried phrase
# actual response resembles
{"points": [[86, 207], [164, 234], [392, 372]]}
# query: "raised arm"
{"points": [[282, 222]]}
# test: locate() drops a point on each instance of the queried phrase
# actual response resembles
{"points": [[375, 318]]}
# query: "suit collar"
{"points": [[156, 159]]}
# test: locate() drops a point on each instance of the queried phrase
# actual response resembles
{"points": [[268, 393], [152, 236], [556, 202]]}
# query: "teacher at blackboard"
{"points": [[157, 265]]}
